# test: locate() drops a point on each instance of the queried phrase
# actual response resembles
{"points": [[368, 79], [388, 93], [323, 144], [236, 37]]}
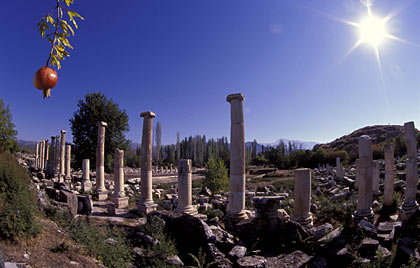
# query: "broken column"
{"points": [[339, 168], [185, 188], [410, 205], [119, 198], [62, 155], [236, 205], [376, 172], [86, 184], [68, 163], [145, 203], [364, 180], [302, 193], [389, 174], [100, 159]]}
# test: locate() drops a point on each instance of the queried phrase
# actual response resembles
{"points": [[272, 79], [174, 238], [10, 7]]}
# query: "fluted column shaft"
{"points": [[236, 205], [389, 174], [100, 158]]}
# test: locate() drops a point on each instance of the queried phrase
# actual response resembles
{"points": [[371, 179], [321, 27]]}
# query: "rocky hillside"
{"points": [[378, 133]]}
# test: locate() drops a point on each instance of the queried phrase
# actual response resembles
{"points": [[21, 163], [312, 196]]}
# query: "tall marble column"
{"points": [[236, 205], [389, 174], [52, 157], [100, 160], [119, 198], [37, 155], [302, 193], [57, 156], [375, 177], [41, 158], [68, 163], [364, 201], [86, 183], [145, 203], [62, 155], [185, 188], [410, 205]]}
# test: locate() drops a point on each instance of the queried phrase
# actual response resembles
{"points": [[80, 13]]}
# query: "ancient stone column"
{"points": [[68, 162], [41, 158], [302, 205], [52, 157], [410, 205], [364, 201], [145, 203], [375, 177], [389, 174], [57, 155], [235, 208], [62, 155], [37, 155], [185, 188], [339, 168], [86, 184], [100, 159], [119, 198]]}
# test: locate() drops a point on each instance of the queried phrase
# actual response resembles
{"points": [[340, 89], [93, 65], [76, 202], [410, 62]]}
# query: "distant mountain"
{"points": [[378, 134]]}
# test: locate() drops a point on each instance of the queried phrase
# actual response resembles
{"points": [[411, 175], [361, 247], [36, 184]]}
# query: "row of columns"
{"points": [[368, 176], [54, 158]]}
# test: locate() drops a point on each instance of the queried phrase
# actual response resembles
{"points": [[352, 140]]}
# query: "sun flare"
{"points": [[373, 31]]}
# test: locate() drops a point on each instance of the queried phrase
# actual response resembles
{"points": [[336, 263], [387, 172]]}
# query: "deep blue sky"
{"points": [[182, 58]]}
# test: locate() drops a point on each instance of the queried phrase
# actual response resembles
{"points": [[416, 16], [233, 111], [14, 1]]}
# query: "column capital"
{"points": [[235, 96], [63, 131], [148, 114], [102, 124]]}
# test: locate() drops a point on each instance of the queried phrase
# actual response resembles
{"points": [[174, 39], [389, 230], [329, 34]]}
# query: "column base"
{"points": [[86, 186], [305, 221], [187, 210], [120, 202], [102, 195], [363, 213], [232, 219], [145, 207]]}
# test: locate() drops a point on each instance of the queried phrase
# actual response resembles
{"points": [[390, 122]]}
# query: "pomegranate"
{"points": [[45, 79]]}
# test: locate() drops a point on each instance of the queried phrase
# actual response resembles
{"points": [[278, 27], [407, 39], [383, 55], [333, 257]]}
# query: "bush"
{"points": [[18, 207], [104, 242], [156, 255], [216, 176]]}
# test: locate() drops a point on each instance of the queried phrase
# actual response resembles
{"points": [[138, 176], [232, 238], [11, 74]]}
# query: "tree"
{"points": [[178, 147], [93, 109], [158, 139], [216, 176], [7, 129]]}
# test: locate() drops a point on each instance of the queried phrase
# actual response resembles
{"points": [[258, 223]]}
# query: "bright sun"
{"points": [[373, 31]]}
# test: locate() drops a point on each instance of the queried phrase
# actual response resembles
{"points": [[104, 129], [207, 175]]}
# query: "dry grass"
{"points": [[51, 248]]}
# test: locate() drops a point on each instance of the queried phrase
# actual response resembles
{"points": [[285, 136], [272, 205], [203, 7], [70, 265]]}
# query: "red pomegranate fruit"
{"points": [[45, 79]]}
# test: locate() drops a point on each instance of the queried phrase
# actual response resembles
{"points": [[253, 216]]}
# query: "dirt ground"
{"points": [[45, 250]]}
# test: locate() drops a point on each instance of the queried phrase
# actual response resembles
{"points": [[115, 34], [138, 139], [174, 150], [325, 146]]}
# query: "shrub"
{"points": [[156, 255], [105, 242], [216, 176], [18, 207]]}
